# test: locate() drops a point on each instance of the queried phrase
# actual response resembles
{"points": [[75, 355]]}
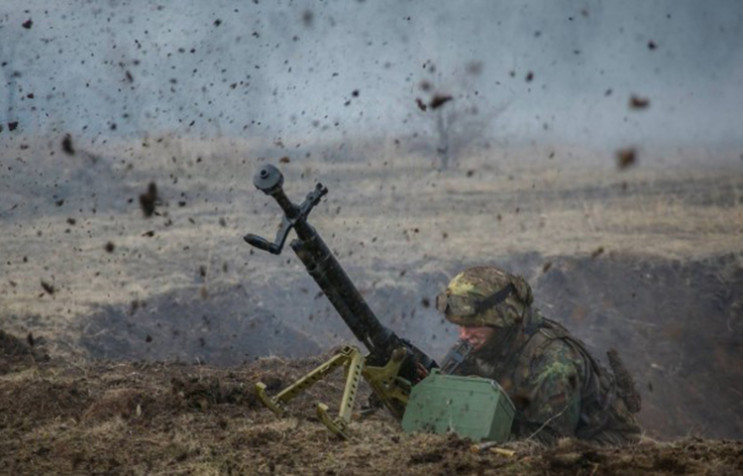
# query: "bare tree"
{"points": [[457, 120]]}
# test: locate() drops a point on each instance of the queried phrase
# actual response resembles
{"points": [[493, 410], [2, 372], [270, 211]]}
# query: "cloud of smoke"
{"points": [[534, 71]]}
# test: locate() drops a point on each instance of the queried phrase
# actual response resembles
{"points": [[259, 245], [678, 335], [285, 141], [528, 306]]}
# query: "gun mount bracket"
{"points": [[353, 362], [350, 357]]}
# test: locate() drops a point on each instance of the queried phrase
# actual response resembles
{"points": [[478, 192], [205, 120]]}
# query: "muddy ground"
{"points": [[135, 324], [168, 418]]}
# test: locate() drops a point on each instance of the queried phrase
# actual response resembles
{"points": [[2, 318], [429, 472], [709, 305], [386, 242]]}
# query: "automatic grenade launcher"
{"points": [[392, 366]]}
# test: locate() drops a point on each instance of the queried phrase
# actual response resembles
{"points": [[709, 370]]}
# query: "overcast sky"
{"points": [[553, 70]]}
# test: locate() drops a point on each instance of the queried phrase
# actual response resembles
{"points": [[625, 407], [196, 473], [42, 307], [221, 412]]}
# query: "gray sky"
{"points": [[547, 71]]}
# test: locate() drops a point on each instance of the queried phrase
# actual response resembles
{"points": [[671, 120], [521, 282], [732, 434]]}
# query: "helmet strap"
{"points": [[494, 299]]}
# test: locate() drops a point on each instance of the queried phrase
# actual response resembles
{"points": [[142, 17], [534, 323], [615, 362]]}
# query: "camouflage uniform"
{"points": [[558, 388]]}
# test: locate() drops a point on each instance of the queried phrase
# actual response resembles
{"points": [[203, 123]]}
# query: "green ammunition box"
{"points": [[472, 407]]}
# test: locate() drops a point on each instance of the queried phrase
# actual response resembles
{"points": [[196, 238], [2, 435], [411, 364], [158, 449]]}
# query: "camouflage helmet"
{"points": [[485, 296]]}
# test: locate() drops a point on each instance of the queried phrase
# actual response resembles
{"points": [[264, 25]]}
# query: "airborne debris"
{"points": [[626, 157], [67, 145], [474, 68], [49, 288], [637, 102], [439, 100], [308, 18], [148, 199]]}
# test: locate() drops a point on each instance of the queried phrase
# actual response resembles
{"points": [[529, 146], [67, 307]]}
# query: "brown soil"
{"points": [[182, 419]]}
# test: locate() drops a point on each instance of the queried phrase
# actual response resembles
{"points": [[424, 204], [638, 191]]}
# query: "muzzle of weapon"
{"points": [[270, 181]]}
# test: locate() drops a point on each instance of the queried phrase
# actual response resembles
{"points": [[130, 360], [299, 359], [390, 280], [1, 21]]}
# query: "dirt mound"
{"points": [[205, 392], [175, 418], [678, 326], [222, 327]]}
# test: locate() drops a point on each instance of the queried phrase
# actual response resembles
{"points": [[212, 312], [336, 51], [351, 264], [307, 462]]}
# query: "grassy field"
{"points": [[383, 215], [645, 258]]}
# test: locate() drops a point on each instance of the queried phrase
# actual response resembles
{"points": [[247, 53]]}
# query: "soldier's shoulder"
{"points": [[545, 347], [548, 339]]}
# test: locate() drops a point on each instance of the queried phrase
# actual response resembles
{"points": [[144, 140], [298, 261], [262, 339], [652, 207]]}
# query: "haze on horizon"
{"points": [[536, 71]]}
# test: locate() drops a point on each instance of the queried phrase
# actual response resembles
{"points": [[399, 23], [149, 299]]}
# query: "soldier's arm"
{"points": [[553, 394]]}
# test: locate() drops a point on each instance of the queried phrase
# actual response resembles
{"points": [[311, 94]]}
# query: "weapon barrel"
{"points": [[340, 290], [332, 279]]}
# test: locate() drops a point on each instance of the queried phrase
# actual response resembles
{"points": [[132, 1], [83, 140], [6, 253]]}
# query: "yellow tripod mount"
{"points": [[352, 360], [392, 390]]}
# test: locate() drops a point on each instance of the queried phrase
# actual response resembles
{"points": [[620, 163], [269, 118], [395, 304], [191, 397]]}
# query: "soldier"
{"points": [[558, 388]]}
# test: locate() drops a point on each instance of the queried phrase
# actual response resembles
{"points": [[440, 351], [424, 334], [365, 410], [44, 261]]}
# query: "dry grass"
{"points": [[174, 436], [493, 205]]}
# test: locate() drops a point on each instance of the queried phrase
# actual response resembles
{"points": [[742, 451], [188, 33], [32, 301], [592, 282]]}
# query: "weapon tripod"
{"points": [[384, 381]]}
